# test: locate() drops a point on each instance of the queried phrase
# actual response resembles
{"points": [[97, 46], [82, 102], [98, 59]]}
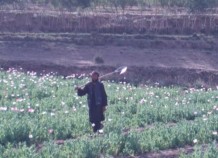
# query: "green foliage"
{"points": [[210, 152], [171, 3], [201, 5], [9, 1], [123, 3], [84, 3], [192, 5], [38, 110]]}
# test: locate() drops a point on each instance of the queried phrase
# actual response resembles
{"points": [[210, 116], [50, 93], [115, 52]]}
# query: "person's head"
{"points": [[94, 76]]}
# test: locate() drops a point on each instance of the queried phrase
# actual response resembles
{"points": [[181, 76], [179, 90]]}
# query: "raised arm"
{"points": [[82, 91]]}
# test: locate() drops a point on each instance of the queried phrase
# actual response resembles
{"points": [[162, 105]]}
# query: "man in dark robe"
{"points": [[97, 100]]}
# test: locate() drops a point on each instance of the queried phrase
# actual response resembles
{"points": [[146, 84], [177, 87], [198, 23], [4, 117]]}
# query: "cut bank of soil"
{"points": [[168, 66], [45, 21]]}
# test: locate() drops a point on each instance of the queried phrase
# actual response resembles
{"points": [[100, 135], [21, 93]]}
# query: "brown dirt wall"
{"points": [[108, 23], [135, 75]]}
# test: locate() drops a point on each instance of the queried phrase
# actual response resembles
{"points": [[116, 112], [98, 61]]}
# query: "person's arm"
{"points": [[82, 91]]}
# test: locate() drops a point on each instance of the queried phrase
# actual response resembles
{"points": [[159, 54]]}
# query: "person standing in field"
{"points": [[97, 100]]}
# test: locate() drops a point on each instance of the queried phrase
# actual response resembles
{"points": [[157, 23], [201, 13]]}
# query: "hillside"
{"points": [[182, 50]]}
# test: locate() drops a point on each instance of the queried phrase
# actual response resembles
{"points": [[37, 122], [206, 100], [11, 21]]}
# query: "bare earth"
{"points": [[183, 66], [64, 54]]}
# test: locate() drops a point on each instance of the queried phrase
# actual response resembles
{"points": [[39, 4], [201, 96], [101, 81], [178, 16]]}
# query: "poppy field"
{"points": [[42, 116]]}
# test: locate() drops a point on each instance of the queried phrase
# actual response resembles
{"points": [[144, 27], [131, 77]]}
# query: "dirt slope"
{"points": [[146, 65], [73, 55]]}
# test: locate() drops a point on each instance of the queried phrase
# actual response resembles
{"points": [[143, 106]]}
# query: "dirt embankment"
{"points": [[135, 75], [108, 23], [167, 60]]}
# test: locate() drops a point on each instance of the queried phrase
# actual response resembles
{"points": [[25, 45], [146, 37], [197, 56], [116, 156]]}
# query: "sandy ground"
{"points": [[73, 55]]}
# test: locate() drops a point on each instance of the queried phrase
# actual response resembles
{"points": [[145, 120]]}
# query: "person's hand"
{"points": [[77, 88]]}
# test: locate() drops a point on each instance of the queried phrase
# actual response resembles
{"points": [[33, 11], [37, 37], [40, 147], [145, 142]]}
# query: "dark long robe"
{"points": [[97, 99]]}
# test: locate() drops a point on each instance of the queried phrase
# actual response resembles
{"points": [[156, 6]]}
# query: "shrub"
{"points": [[98, 60], [201, 5]]}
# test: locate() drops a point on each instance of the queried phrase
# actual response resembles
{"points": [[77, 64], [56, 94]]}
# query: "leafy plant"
{"points": [[98, 60]]}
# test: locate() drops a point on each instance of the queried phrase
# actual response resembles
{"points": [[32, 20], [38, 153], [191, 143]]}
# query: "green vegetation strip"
{"points": [[192, 5], [37, 111]]}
